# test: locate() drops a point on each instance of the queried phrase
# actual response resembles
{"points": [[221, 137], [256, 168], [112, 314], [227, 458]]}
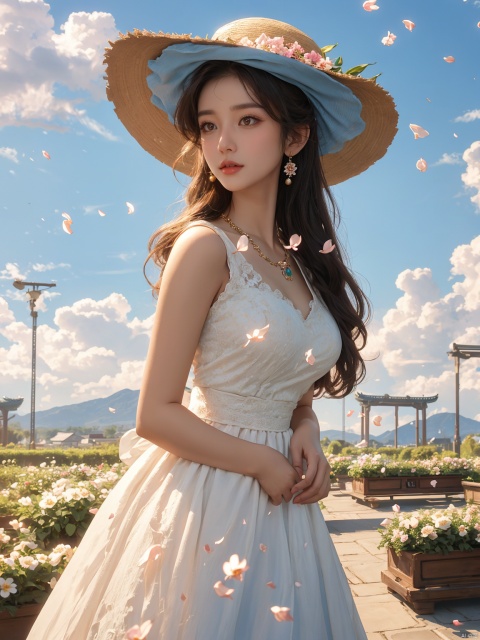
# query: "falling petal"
{"points": [[350, 413], [433, 483], [220, 541], [309, 357], [183, 597], [139, 633], [66, 225], [421, 165], [389, 39], [478, 25], [449, 59], [244, 521], [409, 24], [396, 508], [385, 523], [111, 409], [328, 247], [46, 155], [361, 415], [152, 553], [271, 585], [207, 548], [457, 623], [295, 240], [66, 216], [93, 511], [298, 584], [418, 132], [370, 5], [101, 213], [112, 515], [130, 208], [282, 614], [257, 335], [222, 591], [377, 421], [242, 244], [428, 99], [263, 547], [455, 135]]}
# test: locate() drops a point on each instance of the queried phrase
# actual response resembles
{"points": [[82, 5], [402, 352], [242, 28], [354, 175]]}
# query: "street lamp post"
{"points": [[33, 295], [460, 352]]}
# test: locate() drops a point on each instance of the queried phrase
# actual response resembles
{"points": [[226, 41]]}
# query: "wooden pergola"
{"points": [[419, 403], [7, 405]]}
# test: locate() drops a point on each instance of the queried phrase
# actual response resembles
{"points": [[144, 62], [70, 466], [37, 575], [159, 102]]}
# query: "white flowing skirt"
{"points": [[199, 516]]}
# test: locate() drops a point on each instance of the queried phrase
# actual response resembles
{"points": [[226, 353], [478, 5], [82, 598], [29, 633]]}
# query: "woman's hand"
{"points": [[305, 445], [276, 476]]}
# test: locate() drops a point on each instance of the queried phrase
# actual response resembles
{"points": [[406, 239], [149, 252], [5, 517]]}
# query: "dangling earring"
{"points": [[211, 177], [291, 170]]}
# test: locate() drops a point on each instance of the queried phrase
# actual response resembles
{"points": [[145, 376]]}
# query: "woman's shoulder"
{"points": [[201, 241]]}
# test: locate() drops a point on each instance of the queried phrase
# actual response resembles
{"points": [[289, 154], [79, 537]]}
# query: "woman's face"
{"points": [[241, 143]]}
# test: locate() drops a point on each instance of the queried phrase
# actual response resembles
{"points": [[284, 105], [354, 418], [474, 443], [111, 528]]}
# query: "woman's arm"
{"points": [[305, 445], [191, 280]]}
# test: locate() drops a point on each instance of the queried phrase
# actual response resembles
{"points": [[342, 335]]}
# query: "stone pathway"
{"points": [[353, 527]]}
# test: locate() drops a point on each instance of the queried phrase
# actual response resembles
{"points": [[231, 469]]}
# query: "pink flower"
{"points": [[389, 39], [246, 42], [276, 45], [404, 538], [234, 568], [312, 58], [396, 508], [385, 522], [262, 41], [139, 633]]}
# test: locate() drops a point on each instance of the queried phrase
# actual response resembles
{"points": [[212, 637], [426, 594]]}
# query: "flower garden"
{"points": [[44, 511]]}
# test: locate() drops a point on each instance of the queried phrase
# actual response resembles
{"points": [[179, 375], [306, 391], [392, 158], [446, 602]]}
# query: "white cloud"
{"points": [[471, 177], [92, 349], [9, 154], [469, 116], [449, 158], [50, 266], [35, 60], [11, 272], [416, 335]]}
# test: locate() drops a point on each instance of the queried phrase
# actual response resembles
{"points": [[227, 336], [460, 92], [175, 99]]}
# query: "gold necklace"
{"points": [[283, 264]]}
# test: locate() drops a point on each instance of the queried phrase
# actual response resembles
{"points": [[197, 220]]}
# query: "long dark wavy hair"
{"points": [[306, 208]]}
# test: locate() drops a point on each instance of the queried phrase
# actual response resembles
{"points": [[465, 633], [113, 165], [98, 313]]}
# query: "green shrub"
{"points": [[424, 453], [23, 457], [390, 452], [469, 448], [334, 447], [406, 453], [449, 454], [350, 451]]}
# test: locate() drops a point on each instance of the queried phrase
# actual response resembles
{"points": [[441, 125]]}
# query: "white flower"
{"points": [[41, 557], [43, 464], [28, 562], [25, 502], [55, 558], [462, 530], [4, 538], [7, 587], [48, 501], [9, 561], [14, 485], [404, 537], [15, 524], [426, 531], [442, 522]]}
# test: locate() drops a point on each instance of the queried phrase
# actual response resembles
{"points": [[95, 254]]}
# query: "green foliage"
{"points": [[350, 451], [325, 441], [389, 452], [424, 453], [449, 454], [334, 447], [469, 447], [107, 453], [405, 453]]}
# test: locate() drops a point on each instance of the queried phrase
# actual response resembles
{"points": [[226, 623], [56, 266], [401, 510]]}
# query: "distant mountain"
{"points": [[336, 434], [92, 413], [440, 425]]}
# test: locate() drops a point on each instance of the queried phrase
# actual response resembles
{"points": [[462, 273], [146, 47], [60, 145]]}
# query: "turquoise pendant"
{"points": [[287, 273]]}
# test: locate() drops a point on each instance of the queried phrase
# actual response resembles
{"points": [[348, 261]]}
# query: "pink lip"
{"points": [[230, 169]]}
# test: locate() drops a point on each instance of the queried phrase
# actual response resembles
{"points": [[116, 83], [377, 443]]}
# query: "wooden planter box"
{"points": [[471, 491], [390, 486], [422, 579], [18, 627]]}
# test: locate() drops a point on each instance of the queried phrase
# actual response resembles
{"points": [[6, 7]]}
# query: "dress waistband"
{"points": [[249, 412]]}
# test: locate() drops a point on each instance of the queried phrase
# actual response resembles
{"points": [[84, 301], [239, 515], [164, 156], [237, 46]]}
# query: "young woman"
{"points": [[216, 530]]}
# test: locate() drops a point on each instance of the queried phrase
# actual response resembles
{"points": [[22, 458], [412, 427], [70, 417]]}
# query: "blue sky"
{"points": [[405, 230]]}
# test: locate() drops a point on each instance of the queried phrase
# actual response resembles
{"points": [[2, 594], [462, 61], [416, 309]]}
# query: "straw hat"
{"points": [[146, 73]]}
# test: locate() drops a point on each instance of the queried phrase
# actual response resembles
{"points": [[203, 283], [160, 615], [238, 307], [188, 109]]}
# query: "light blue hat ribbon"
{"points": [[337, 108]]}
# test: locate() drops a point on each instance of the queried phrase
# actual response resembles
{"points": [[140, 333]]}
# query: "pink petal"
{"points": [[139, 633], [409, 24], [263, 547], [66, 225], [222, 591], [242, 244], [93, 511], [449, 59], [370, 5], [130, 208], [152, 553], [396, 508], [298, 584], [112, 515], [385, 522], [361, 415], [244, 521], [101, 213], [327, 247], [111, 409], [207, 548], [377, 421], [308, 357], [418, 132], [457, 623], [220, 541], [350, 413], [66, 216], [433, 483], [282, 614], [295, 240], [455, 135], [478, 25], [46, 155], [271, 585], [183, 597], [421, 165]]}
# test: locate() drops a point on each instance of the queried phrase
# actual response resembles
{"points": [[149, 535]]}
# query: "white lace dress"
{"points": [[199, 516]]}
